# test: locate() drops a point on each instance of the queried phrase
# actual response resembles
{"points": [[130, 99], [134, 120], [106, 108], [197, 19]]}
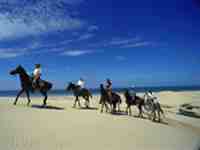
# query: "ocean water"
{"points": [[96, 91]]}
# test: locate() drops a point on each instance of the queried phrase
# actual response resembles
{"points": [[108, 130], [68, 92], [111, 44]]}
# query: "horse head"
{"points": [[19, 69], [101, 87], [126, 94], [70, 86]]}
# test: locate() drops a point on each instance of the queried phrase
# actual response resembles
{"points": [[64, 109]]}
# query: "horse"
{"points": [[155, 109], [105, 99], [85, 93], [26, 85], [131, 101]]}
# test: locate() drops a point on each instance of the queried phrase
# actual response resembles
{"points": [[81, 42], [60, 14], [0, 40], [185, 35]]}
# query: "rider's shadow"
{"points": [[47, 107]]}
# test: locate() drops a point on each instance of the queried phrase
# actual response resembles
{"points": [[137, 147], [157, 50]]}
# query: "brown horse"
{"points": [[26, 85], [131, 101], [85, 93], [105, 100]]}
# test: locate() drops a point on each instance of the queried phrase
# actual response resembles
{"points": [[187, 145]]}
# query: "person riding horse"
{"points": [[36, 76], [109, 88], [26, 84], [152, 104], [80, 83], [149, 96]]}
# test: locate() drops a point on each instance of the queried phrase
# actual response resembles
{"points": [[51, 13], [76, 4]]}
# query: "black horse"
{"points": [[137, 101], [78, 92], [105, 99], [26, 85]]}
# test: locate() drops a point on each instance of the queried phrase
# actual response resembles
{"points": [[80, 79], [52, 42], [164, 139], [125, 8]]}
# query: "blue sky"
{"points": [[145, 43]]}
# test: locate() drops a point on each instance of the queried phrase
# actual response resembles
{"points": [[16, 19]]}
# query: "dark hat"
{"points": [[37, 65], [108, 81]]}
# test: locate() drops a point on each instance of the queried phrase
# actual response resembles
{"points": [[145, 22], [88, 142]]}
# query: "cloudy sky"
{"points": [[145, 43]]}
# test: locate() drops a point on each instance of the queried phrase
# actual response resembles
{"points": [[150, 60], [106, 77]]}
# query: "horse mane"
{"points": [[23, 71]]}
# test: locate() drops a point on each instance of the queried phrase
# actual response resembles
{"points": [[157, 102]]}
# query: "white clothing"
{"points": [[81, 83], [37, 71], [150, 96]]}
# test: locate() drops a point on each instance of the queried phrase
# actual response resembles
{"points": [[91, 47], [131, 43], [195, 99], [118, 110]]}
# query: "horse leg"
{"points": [[28, 97], [74, 106], [79, 103], [107, 108], [126, 109], [18, 95], [118, 105], [86, 102], [130, 113], [140, 111], [154, 114], [159, 116], [45, 97], [114, 107], [102, 106]]}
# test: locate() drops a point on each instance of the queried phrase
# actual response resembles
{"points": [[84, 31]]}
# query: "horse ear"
{"points": [[19, 66]]}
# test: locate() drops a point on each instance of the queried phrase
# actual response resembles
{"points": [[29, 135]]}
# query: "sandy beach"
{"points": [[61, 127]]}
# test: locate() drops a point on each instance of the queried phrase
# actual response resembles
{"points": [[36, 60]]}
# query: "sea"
{"points": [[61, 92]]}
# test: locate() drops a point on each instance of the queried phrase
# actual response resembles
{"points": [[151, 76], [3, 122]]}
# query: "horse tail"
{"points": [[120, 100], [49, 86]]}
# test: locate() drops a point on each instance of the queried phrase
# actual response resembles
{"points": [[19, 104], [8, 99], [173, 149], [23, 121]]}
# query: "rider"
{"points": [[149, 95], [36, 75], [109, 88], [81, 83]]}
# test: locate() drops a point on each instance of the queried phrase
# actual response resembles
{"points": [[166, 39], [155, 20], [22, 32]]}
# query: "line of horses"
{"points": [[112, 105]]}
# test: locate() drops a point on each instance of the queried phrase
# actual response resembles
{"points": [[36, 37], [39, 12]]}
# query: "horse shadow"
{"points": [[119, 113], [88, 108], [50, 107]]}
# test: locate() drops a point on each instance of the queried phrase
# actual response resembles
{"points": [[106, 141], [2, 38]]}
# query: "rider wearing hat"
{"points": [[109, 88], [36, 75], [81, 83]]}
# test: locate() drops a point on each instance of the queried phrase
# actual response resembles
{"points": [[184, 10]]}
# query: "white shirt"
{"points": [[81, 83], [151, 96], [37, 71]]}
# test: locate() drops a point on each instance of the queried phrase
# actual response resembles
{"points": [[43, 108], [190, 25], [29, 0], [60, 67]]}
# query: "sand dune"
{"points": [[61, 127]]}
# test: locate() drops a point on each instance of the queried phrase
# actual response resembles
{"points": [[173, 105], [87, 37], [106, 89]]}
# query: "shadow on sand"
{"points": [[47, 107], [188, 113], [119, 113], [89, 108]]}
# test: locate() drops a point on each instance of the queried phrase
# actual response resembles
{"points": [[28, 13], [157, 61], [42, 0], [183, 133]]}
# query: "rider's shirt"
{"points": [[37, 71], [80, 83], [151, 96]]}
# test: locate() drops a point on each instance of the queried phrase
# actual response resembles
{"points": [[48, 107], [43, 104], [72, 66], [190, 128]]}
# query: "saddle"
{"points": [[36, 85]]}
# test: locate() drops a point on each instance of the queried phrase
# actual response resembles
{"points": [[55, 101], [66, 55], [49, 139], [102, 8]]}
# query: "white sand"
{"points": [[28, 128]]}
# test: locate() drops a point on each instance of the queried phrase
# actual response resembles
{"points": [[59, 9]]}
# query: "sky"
{"points": [[141, 43]]}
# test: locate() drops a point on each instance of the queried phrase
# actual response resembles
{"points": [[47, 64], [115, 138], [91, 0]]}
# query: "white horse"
{"points": [[153, 107]]}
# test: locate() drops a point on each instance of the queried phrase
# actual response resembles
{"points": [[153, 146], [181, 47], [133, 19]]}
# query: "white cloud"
{"points": [[22, 2], [26, 18], [93, 28], [138, 44], [120, 41], [17, 28], [120, 58], [11, 53], [86, 36], [77, 52]]}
